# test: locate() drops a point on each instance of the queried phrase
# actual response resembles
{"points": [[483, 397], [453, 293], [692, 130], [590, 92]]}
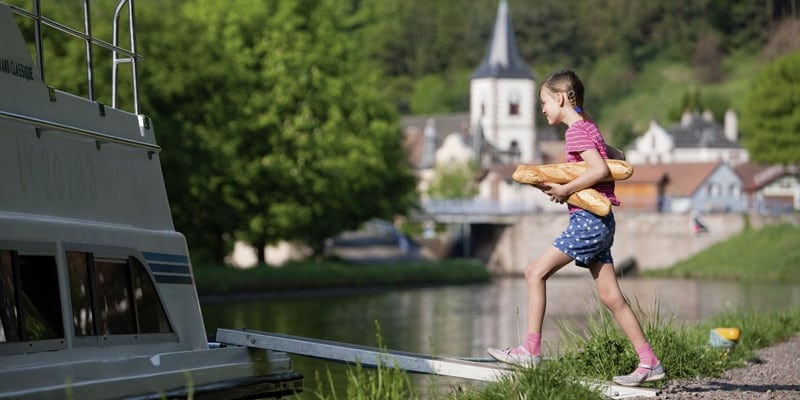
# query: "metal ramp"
{"points": [[411, 362]]}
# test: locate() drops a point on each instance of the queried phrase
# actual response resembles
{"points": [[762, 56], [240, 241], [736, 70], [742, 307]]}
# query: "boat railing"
{"points": [[120, 54]]}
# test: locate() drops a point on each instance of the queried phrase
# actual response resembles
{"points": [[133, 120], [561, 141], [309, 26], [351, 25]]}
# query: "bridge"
{"points": [[480, 221], [474, 211]]}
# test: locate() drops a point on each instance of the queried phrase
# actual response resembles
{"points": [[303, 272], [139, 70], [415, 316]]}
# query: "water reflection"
{"points": [[464, 320]]}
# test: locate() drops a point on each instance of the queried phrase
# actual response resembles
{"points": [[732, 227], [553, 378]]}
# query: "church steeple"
{"points": [[503, 100], [502, 59]]}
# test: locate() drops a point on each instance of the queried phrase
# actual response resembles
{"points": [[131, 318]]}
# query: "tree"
{"points": [[279, 132], [322, 150], [194, 96], [771, 117]]}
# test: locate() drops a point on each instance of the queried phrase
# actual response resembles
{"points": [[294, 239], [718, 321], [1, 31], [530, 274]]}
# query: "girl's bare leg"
{"points": [[536, 275], [649, 368], [611, 296]]}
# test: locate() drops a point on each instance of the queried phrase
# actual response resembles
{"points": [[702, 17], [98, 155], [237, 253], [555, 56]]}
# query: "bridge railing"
{"points": [[474, 210]]}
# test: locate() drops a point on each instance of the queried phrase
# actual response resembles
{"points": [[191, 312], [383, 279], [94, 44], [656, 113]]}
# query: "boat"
{"points": [[97, 292]]}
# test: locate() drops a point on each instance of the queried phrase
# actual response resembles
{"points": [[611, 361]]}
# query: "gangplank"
{"points": [[411, 362]]}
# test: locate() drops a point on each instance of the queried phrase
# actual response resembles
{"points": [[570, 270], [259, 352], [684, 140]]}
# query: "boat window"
{"points": [[82, 314], [113, 297], [31, 308], [152, 318], [9, 322]]}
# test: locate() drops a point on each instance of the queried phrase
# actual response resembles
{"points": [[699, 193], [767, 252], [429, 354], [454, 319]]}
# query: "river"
{"points": [[463, 320]]}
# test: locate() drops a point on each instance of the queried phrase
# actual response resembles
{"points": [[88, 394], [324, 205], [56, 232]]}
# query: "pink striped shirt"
{"points": [[585, 135]]}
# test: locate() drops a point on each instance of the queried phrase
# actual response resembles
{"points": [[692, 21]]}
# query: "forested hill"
{"points": [[640, 59]]}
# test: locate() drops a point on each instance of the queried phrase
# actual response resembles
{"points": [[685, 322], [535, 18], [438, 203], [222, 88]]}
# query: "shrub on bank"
{"points": [[319, 275]]}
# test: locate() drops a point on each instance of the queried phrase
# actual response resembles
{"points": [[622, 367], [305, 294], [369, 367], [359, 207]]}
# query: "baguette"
{"points": [[588, 199], [591, 200], [565, 172]]}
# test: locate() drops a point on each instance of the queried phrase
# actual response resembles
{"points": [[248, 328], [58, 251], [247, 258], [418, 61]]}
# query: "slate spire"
{"points": [[502, 59]]}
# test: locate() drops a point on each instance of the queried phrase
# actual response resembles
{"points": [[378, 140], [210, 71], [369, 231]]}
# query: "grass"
{"points": [[315, 275], [388, 383], [769, 254], [598, 354]]}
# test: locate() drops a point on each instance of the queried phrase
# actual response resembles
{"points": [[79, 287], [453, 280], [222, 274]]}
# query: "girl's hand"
{"points": [[558, 193], [541, 186]]}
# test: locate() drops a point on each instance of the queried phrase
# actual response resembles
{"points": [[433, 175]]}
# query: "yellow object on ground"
{"points": [[731, 334]]}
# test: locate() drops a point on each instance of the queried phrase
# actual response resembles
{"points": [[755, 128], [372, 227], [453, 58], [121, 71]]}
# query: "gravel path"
{"points": [[773, 374]]}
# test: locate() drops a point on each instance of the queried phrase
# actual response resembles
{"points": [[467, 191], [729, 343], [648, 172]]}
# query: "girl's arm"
{"points": [[596, 170]]}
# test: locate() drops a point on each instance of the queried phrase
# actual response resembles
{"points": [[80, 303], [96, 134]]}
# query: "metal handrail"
{"points": [[99, 136], [131, 56], [129, 59]]}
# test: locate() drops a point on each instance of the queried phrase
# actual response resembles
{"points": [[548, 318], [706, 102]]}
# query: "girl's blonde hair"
{"points": [[567, 82]]}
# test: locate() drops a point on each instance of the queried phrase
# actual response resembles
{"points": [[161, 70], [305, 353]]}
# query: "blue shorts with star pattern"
{"points": [[588, 238]]}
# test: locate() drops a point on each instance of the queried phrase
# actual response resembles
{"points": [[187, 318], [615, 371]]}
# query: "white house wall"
{"points": [[454, 151], [657, 146], [500, 128]]}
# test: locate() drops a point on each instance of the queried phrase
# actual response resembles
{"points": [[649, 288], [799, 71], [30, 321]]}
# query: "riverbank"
{"points": [[767, 254], [326, 276], [770, 374]]}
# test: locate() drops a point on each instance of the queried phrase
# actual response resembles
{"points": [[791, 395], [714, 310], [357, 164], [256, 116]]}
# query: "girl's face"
{"points": [[551, 106]]}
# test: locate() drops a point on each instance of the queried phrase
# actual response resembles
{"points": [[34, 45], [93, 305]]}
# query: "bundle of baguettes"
{"points": [[589, 199]]}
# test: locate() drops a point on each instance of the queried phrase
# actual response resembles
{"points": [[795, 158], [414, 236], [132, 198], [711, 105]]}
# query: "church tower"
{"points": [[503, 100]]}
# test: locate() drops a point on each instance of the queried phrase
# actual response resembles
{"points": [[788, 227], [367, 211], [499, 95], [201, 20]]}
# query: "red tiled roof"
{"points": [[755, 176], [648, 173], [686, 178]]}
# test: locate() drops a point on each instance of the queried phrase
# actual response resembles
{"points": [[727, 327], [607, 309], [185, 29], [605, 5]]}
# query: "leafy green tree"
{"points": [[314, 149], [193, 88], [292, 141], [771, 117]]}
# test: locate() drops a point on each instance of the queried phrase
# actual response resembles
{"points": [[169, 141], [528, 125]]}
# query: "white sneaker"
{"points": [[635, 379], [519, 356]]}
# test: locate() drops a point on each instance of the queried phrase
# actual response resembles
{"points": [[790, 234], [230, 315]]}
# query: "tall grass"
{"points": [[384, 382], [598, 353]]}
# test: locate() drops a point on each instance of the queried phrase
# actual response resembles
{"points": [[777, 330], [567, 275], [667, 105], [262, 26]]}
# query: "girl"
{"points": [[587, 239]]}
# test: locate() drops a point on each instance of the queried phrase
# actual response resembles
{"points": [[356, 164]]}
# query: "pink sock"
{"points": [[533, 342], [646, 357]]}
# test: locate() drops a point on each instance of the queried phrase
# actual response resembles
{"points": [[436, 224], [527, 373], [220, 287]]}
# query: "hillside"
{"points": [[663, 89]]}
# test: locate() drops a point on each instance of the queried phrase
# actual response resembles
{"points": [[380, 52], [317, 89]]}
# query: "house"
{"points": [[423, 138], [697, 138], [645, 190], [770, 188], [705, 187]]}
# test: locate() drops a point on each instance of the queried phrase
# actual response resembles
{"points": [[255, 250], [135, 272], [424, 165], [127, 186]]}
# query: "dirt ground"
{"points": [[772, 374]]}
